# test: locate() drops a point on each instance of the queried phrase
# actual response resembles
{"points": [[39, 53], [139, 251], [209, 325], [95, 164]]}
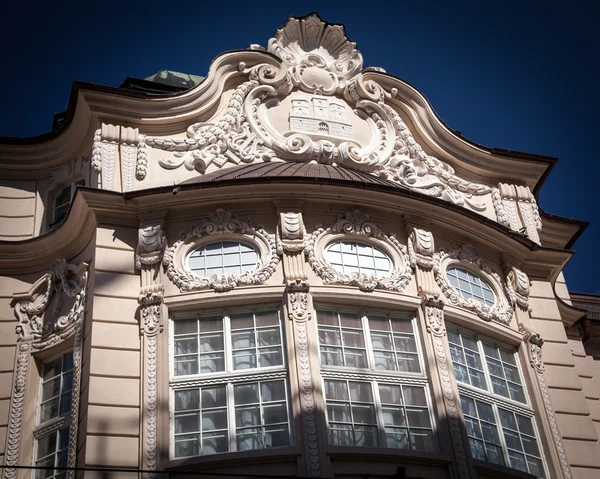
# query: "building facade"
{"points": [[294, 268]]}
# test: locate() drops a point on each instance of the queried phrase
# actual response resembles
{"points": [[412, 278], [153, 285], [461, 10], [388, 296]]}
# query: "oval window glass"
{"points": [[223, 258], [350, 257], [470, 286]]}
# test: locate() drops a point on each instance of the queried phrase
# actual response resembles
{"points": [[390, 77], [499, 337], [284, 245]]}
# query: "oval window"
{"points": [[470, 286], [223, 259], [349, 257]]}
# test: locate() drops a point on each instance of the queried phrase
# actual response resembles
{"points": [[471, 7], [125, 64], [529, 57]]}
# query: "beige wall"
{"points": [[114, 365], [17, 210]]}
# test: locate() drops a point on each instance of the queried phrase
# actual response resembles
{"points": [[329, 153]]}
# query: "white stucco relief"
{"points": [[316, 106], [40, 326]]}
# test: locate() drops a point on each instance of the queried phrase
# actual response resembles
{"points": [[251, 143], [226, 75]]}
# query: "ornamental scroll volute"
{"points": [[317, 104], [51, 312]]}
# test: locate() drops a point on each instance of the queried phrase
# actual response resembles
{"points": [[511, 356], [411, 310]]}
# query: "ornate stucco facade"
{"points": [[293, 268]]}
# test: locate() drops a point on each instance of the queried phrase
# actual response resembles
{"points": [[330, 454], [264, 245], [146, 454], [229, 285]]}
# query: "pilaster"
{"points": [[298, 307], [149, 253], [421, 249], [518, 286]]}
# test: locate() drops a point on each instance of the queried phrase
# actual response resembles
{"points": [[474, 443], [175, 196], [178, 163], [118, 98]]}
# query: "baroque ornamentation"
{"points": [[518, 288], [48, 329], [516, 208], [218, 224], [534, 345], [16, 411], [150, 312], [291, 238], [502, 309], [39, 327], [358, 225], [297, 299], [335, 116], [434, 315], [128, 153], [420, 247], [151, 244]]}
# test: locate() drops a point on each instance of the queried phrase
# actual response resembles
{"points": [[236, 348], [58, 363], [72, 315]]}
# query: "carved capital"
{"points": [[433, 307], [534, 344], [297, 300], [150, 313], [518, 288], [420, 248], [151, 244]]}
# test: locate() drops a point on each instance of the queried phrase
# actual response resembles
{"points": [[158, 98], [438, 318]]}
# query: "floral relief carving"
{"points": [[221, 223], [534, 344], [320, 66], [39, 327], [358, 225], [501, 311]]}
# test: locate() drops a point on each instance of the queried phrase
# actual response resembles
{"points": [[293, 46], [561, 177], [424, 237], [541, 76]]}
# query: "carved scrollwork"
{"points": [[420, 248], [518, 288], [44, 328], [357, 225], [218, 224], [151, 244], [466, 255]]}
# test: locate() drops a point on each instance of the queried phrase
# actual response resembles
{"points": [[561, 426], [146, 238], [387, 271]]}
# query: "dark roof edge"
{"points": [[582, 225]]}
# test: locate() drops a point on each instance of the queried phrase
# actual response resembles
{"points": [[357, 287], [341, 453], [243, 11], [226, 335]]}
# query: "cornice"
{"points": [[93, 207], [67, 241], [90, 104]]}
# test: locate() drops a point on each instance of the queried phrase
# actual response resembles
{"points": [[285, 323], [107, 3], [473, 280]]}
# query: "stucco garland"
{"points": [[222, 223], [357, 225], [467, 255]]}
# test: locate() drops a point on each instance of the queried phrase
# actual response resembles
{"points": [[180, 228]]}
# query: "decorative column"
{"points": [[517, 208], [421, 249], [105, 151], [291, 246], [129, 150], [518, 286], [149, 254], [40, 327]]}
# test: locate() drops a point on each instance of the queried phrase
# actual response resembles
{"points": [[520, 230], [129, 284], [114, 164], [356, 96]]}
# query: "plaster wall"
{"points": [[17, 210]]}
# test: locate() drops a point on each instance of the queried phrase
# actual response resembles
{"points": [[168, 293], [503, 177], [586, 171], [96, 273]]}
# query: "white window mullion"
{"points": [[501, 434], [231, 417], [379, 413], [227, 343], [368, 344]]}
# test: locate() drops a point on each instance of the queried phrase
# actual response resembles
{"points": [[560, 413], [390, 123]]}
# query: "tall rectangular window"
{"points": [[218, 406], [499, 421], [386, 404], [52, 433]]}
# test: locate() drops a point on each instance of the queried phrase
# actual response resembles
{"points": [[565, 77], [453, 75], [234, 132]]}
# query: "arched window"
{"points": [[352, 257], [470, 286], [223, 258]]}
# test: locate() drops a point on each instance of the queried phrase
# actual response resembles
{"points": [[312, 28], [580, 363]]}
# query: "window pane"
{"points": [[215, 442], [336, 390], [214, 397], [187, 445], [185, 400], [360, 391], [277, 436], [188, 422]]}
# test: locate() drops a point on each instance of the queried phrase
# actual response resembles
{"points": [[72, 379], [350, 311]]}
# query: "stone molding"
{"points": [[516, 208], [151, 243], [518, 287], [221, 224], [355, 225], [38, 328], [299, 313], [468, 257], [534, 344]]}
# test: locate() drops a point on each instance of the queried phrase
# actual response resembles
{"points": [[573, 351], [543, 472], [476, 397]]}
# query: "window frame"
{"points": [[357, 241], [56, 424], [72, 185], [376, 377], [497, 401], [189, 252], [477, 273], [229, 378]]}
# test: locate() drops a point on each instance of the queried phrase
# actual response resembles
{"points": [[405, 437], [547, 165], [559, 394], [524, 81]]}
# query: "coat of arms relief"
{"points": [[317, 106]]}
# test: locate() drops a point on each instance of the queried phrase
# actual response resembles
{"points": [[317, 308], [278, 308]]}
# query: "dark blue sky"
{"points": [[516, 75]]}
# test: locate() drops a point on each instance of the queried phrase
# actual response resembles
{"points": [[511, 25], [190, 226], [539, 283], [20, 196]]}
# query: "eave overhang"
{"points": [[92, 207]]}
